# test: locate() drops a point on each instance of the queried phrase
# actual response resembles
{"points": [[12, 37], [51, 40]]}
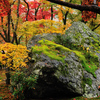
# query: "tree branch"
{"points": [[64, 19], [13, 2], [51, 12], [96, 27], [3, 37], [19, 39], [36, 10], [27, 10], [92, 8], [9, 16], [12, 23], [5, 33], [14, 34]]}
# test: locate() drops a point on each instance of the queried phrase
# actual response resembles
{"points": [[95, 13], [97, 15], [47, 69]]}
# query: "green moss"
{"points": [[90, 67], [51, 49], [95, 40], [77, 36], [84, 29], [55, 51], [89, 61], [92, 57], [80, 55], [87, 81]]}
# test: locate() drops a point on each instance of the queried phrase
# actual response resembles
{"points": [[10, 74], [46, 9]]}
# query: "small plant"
{"points": [[13, 57], [20, 81], [1, 98]]}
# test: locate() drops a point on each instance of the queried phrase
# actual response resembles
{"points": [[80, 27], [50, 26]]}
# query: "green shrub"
{"points": [[1, 98], [20, 81]]}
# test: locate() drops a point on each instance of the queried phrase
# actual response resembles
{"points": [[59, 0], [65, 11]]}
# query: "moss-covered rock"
{"points": [[66, 64]]}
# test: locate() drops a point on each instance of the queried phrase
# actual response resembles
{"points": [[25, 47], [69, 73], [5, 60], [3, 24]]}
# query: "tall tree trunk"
{"points": [[7, 72], [51, 12], [7, 76], [9, 17], [64, 19]]}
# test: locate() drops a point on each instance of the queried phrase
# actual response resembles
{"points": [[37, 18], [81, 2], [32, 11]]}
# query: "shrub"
{"points": [[13, 56], [1, 98], [19, 82]]}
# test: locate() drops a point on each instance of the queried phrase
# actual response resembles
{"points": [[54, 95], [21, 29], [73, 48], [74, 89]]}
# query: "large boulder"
{"points": [[67, 65]]}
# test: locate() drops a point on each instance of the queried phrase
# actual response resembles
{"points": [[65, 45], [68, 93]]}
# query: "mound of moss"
{"points": [[56, 51]]}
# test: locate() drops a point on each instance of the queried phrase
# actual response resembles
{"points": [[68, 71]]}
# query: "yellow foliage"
{"points": [[11, 1], [87, 48], [14, 56], [44, 1], [42, 26], [60, 15], [71, 10]]}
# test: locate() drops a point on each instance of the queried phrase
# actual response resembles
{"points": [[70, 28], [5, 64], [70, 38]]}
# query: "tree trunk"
{"points": [[9, 17], [51, 12], [7, 76]]}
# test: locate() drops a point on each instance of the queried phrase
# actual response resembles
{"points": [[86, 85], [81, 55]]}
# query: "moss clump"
{"points": [[90, 67], [89, 61], [55, 51], [87, 81], [51, 49]]}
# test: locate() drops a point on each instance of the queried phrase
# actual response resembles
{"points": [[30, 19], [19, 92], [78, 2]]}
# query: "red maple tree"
{"points": [[87, 15], [4, 7], [14, 10], [36, 12]]}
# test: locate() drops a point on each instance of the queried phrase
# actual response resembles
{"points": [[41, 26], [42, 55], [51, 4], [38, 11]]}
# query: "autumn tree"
{"points": [[11, 14], [13, 57], [87, 15], [18, 12], [64, 12], [5, 33]]}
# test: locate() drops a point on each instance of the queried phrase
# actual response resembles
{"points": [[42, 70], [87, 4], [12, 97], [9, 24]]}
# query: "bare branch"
{"points": [[3, 37], [96, 27], [27, 10], [51, 12], [19, 39], [13, 2], [5, 33], [12, 23], [15, 35], [36, 10], [9, 16], [93, 8]]}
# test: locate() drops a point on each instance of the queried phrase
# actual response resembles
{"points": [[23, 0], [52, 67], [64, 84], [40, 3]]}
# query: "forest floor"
{"points": [[4, 90], [6, 95]]}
